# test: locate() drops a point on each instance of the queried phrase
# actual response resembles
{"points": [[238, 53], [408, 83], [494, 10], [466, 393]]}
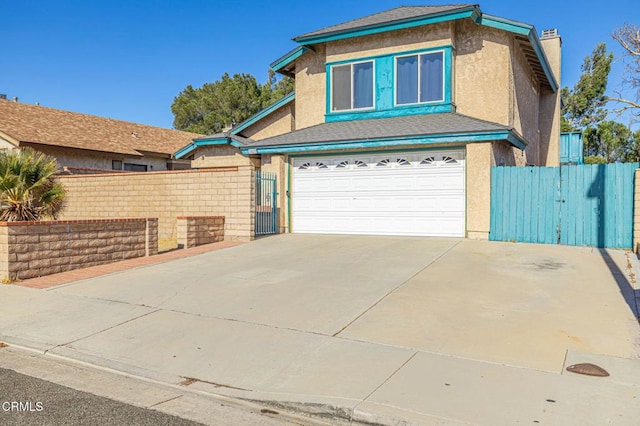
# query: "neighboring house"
{"points": [[84, 143], [397, 119]]}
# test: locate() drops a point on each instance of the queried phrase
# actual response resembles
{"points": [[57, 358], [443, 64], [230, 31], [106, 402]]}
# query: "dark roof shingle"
{"points": [[398, 14], [381, 128]]}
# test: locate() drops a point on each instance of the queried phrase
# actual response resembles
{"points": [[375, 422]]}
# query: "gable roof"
{"points": [[223, 138], [443, 127], [32, 124], [399, 14], [285, 100], [412, 16]]}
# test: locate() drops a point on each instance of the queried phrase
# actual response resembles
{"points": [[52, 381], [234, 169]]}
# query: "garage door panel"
{"points": [[380, 194]]}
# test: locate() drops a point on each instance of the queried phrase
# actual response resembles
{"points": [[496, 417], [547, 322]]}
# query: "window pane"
{"points": [[363, 85], [407, 80], [341, 90], [431, 76]]}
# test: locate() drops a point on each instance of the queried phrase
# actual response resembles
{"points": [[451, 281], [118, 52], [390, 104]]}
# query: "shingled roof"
{"points": [[401, 13], [383, 128], [32, 124]]}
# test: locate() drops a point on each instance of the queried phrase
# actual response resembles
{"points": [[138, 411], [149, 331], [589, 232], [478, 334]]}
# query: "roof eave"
{"points": [[472, 12], [197, 143], [528, 31], [287, 59], [508, 135], [263, 113]]}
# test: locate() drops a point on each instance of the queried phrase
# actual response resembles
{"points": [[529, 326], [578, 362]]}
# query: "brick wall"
{"points": [[636, 215], [198, 230], [227, 192], [34, 249]]}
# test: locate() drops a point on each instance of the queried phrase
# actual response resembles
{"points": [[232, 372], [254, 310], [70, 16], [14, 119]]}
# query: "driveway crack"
{"points": [[102, 331], [396, 288], [383, 383]]}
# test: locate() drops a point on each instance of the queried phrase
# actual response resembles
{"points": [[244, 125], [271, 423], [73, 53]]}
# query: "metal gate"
{"points": [[266, 204], [580, 205]]}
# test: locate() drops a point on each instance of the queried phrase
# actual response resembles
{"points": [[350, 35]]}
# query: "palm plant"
{"points": [[29, 190]]}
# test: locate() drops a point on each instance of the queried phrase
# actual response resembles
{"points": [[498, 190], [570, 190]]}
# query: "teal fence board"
{"points": [[580, 205], [571, 148]]}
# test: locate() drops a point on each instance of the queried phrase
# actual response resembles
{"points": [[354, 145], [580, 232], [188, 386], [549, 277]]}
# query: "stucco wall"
{"points": [[4, 144], [277, 163], [479, 158], [390, 42], [277, 123], [310, 88], [525, 102], [166, 195], [505, 154], [220, 156], [97, 160], [482, 72], [550, 107]]}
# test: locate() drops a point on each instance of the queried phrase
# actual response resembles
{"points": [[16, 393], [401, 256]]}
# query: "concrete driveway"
{"points": [[356, 321]]}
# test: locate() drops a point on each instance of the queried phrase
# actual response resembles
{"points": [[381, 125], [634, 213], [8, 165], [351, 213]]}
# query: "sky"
{"points": [[128, 59]]}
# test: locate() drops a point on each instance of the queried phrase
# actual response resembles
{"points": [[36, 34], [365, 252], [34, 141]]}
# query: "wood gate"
{"points": [[580, 205]]}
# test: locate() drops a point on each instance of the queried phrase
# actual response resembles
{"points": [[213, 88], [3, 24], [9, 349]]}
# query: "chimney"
{"points": [[3, 96], [549, 33]]}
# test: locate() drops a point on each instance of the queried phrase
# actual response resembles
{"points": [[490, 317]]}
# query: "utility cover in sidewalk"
{"points": [[588, 369]]}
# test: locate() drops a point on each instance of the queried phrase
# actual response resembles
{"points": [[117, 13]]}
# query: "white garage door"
{"points": [[405, 193]]}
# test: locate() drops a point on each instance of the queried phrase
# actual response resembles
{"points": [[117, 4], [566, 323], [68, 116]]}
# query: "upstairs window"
{"points": [[352, 86], [420, 78]]}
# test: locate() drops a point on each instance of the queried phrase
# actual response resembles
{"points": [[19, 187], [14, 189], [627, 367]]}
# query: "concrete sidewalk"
{"points": [[291, 322]]}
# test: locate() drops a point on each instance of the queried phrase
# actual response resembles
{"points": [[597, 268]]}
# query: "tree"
{"points": [[628, 36], [584, 105], [226, 102], [608, 143], [29, 190]]}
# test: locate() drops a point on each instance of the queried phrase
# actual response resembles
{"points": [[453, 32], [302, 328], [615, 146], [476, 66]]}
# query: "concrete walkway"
{"points": [[363, 329]]}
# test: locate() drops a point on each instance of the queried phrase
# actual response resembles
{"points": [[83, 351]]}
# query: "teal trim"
{"points": [[395, 112], [263, 113], [387, 55], [288, 58], [205, 142], [526, 30], [385, 88], [198, 143], [505, 24], [508, 135], [379, 151], [468, 12]]}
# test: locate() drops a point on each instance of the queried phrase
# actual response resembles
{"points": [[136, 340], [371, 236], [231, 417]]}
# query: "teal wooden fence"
{"points": [[581, 205], [571, 148]]}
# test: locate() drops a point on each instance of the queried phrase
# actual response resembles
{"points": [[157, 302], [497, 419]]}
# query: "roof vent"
{"points": [[550, 33], [3, 96], [15, 99]]}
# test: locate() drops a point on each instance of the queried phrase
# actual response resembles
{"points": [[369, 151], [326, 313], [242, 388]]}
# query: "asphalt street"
{"points": [[26, 400]]}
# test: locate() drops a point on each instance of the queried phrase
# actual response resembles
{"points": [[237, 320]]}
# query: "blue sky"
{"points": [[128, 59]]}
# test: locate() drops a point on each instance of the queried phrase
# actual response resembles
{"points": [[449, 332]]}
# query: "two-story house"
{"points": [[397, 119]]}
